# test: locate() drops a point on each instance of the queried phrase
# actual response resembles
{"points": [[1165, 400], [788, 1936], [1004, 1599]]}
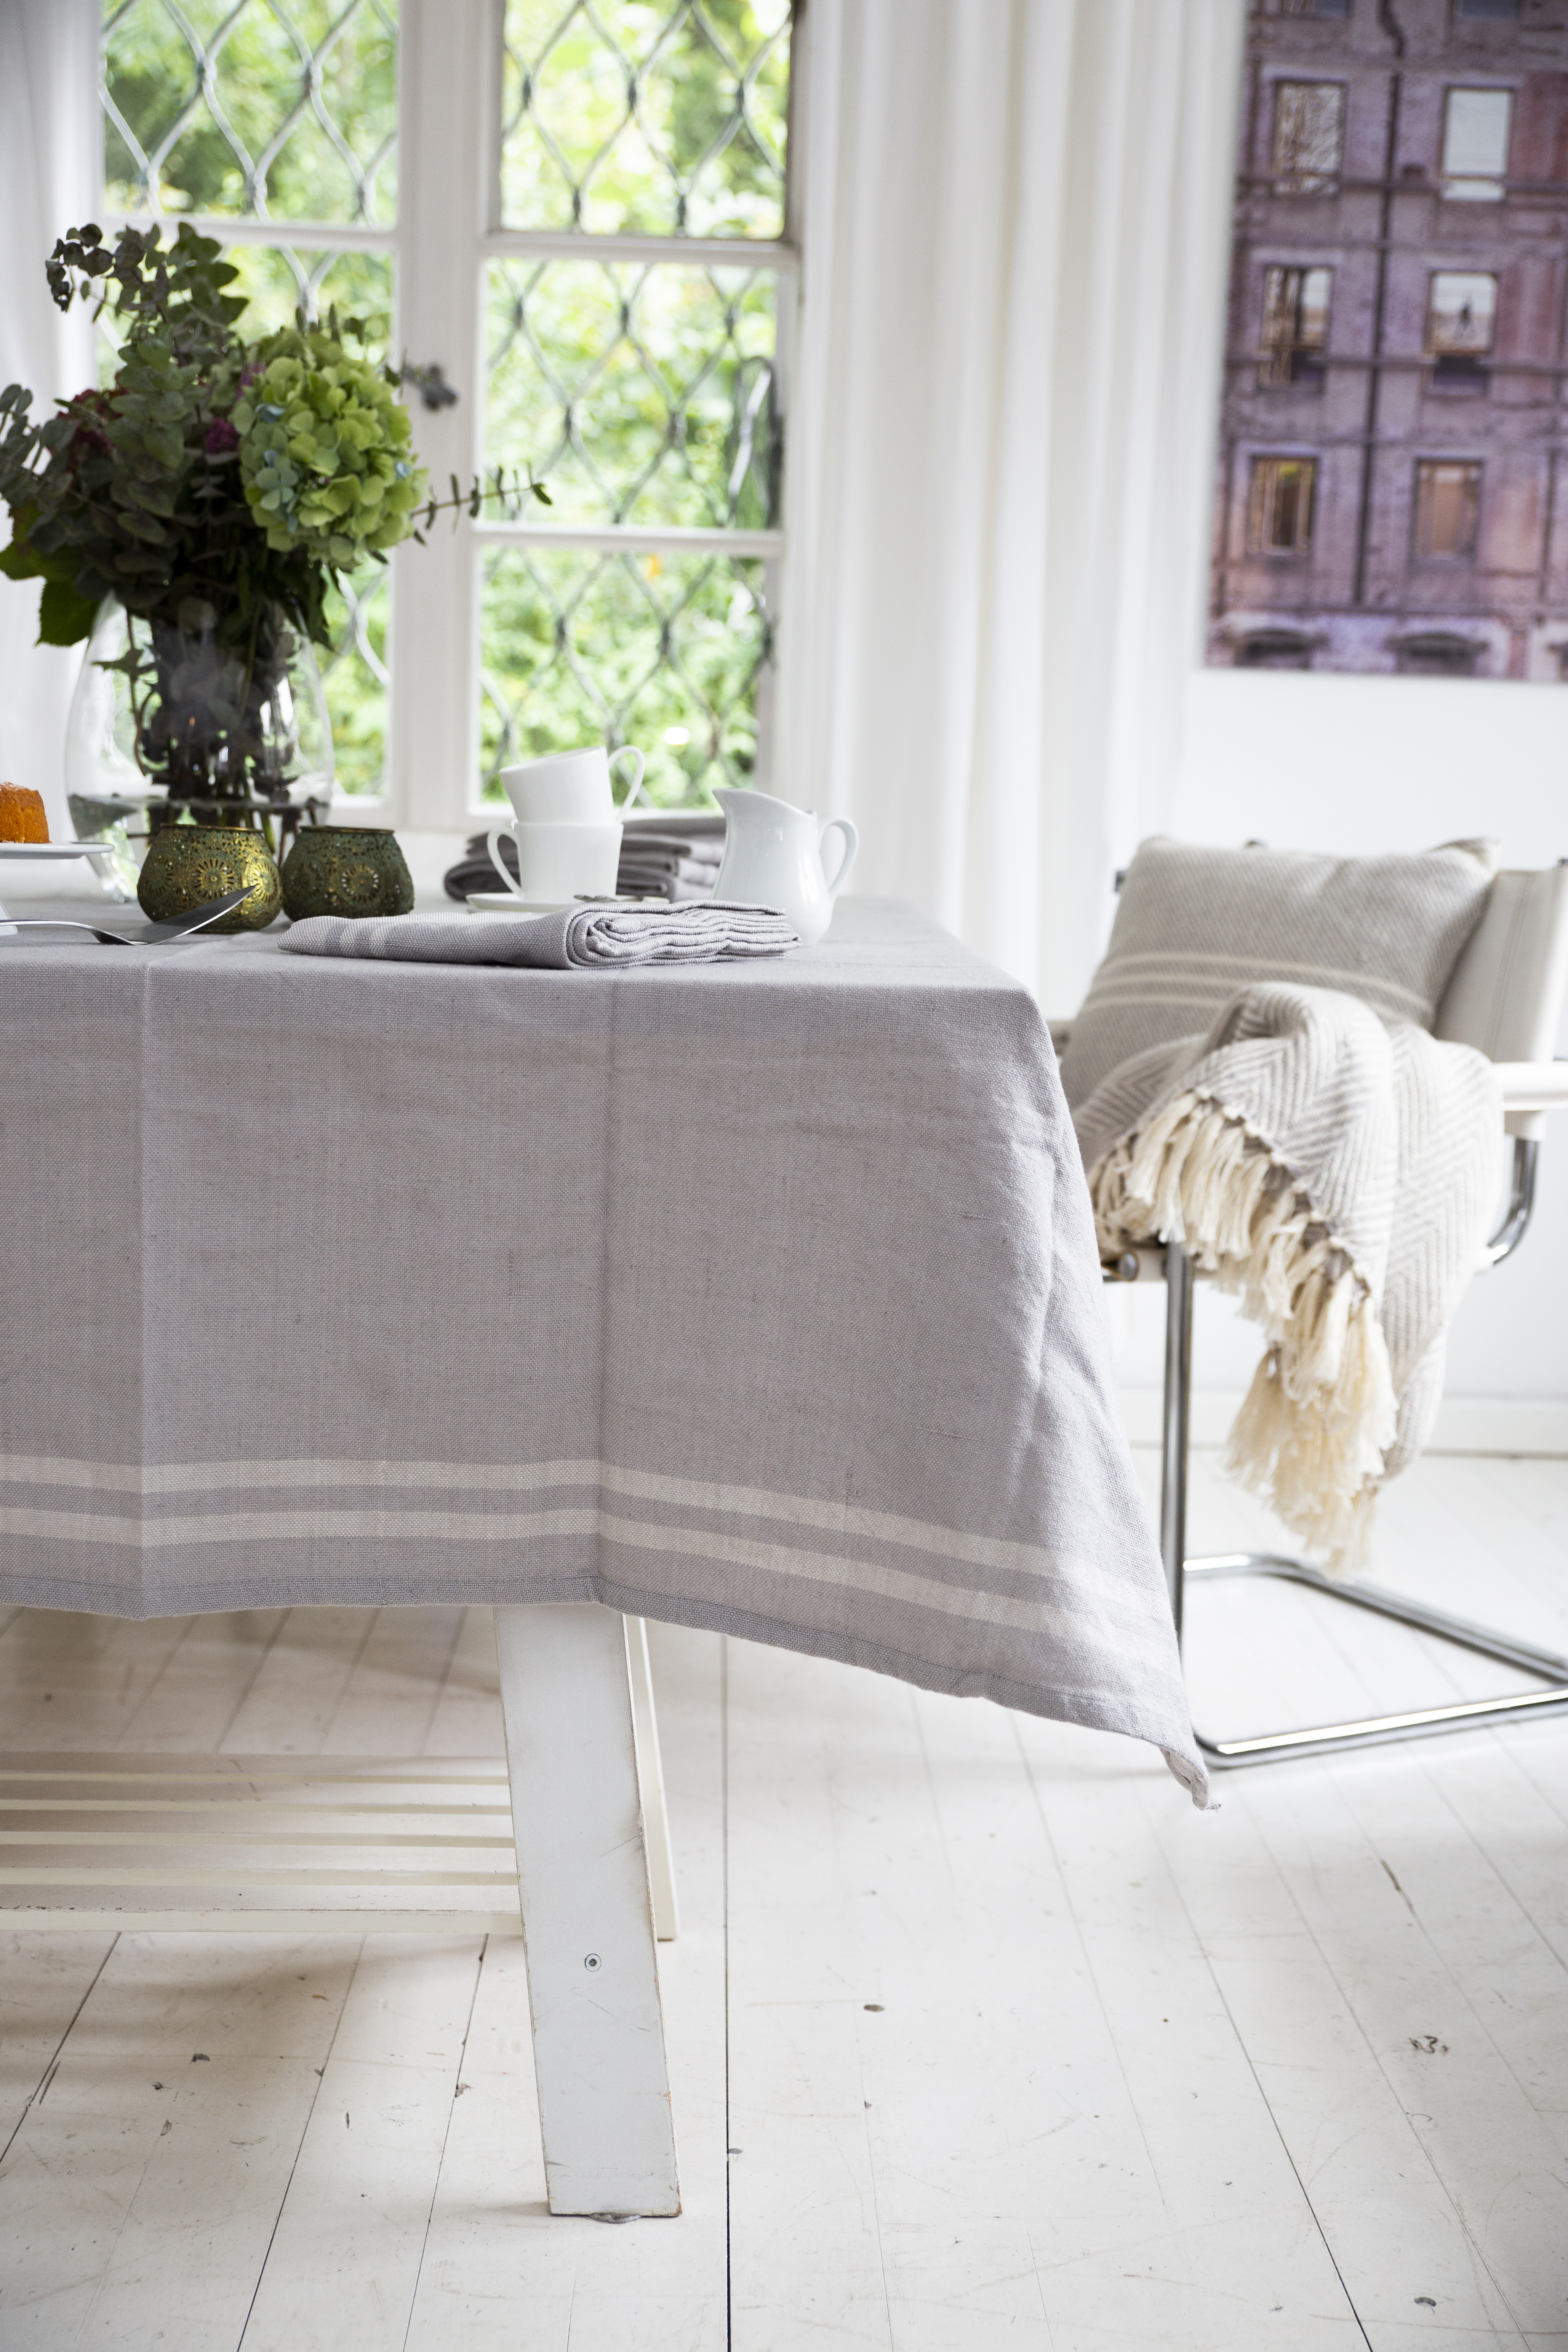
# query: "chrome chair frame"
{"points": [[1322, 1739]]}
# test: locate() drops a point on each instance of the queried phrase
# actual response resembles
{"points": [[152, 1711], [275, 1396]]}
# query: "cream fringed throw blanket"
{"points": [[1338, 1173]]}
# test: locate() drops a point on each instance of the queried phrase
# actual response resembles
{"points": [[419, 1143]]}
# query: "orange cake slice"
{"points": [[22, 816]]}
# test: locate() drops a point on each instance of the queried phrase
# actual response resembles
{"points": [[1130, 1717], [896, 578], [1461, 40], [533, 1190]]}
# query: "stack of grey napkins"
{"points": [[673, 855]]}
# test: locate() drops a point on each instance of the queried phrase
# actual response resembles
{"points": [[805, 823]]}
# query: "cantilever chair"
{"points": [[1505, 998]]}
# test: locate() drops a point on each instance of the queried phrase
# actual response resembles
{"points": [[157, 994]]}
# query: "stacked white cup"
{"points": [[566, 832]]}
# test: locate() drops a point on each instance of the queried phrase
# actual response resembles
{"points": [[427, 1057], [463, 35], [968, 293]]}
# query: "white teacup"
{"points": [[570, 787], [557, 862]]}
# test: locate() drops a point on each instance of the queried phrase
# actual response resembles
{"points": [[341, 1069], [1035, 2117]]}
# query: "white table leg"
{"points": [[598, 2031], [650, 1780]]}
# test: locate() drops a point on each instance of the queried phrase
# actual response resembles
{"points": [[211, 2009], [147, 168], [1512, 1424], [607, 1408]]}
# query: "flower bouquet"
{"points": [[216, 488]]}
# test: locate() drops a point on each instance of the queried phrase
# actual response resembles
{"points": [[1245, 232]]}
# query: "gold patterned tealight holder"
{"points": [[188, 865], [345, 869]]}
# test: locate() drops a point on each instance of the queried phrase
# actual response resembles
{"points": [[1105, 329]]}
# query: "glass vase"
{"points": [[198, 716]]}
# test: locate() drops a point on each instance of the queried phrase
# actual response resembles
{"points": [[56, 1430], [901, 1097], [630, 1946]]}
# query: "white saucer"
{"points": [[503, 902], [47, 849]]}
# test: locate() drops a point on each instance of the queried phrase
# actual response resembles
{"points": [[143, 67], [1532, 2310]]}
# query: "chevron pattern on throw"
{"points": [[1336, 1172]]}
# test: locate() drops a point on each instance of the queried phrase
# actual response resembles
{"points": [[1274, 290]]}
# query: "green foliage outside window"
{"points": [[644, 394], [306, 89], [662, 651], [654, 120]]}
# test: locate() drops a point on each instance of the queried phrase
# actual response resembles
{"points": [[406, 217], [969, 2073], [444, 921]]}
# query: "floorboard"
{"points": [[43, 1980], [343, 2261], [141, 2193], [192, 1701]]}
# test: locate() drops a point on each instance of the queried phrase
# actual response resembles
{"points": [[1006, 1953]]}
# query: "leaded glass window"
{"points": [[665, 650], [239, 113], [644, 393], [607, 302], [281, 109], [633, 299], [646, 120]]}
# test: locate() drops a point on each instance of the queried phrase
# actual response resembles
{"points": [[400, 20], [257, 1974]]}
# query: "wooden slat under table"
{"points": [[341, 1843]]}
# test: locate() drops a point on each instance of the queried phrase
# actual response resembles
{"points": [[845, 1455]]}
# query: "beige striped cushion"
{"points": [[1194, 925]]}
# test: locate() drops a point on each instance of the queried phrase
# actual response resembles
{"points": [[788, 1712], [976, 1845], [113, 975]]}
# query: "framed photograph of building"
{"points": [[1392, 491]]}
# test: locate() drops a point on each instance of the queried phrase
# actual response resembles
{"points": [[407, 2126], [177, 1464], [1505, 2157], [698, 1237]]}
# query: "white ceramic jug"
{"points": [[773, 857]]}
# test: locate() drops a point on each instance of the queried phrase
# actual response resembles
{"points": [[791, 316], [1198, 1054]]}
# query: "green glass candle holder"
{"points": [[187, 866], [345, 869]]}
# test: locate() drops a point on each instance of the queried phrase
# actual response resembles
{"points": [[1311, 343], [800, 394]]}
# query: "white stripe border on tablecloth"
{"points": [[210, 1478], [858, 1576]]}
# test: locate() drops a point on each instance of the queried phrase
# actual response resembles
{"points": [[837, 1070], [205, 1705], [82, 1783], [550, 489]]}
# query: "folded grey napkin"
{"points": [[640, 878], [589, 938], [659, 846], [684, 824]]}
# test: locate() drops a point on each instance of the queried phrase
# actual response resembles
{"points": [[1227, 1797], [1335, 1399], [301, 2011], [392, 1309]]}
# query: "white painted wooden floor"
{"points": [[980, 2037]]}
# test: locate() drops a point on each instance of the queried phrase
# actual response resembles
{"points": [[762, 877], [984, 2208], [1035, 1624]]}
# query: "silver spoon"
{"points": [[179, 927]]}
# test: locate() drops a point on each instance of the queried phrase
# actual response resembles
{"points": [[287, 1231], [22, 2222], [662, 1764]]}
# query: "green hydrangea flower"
{"points": [[326, 454]]}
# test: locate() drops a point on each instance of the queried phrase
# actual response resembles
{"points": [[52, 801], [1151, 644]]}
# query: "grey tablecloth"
{"points": [[757, 1297]]}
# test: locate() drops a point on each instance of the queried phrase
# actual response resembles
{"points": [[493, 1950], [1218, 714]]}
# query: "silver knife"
{"points": [[179, 927]]}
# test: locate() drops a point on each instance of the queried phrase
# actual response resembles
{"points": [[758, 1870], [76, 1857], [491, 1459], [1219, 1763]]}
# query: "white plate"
{"points": [[56, 849], [501, 902]]}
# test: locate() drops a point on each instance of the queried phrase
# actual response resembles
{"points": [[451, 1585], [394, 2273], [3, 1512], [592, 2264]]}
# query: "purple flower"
{"points": [[221, 437]]}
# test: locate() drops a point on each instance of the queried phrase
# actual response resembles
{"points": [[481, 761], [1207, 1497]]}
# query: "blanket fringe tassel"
{"points": [[1320, 1415]]}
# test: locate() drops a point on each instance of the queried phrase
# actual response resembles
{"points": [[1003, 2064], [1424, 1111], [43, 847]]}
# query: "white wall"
{"points": [[1361, 764], [1310, 761]]}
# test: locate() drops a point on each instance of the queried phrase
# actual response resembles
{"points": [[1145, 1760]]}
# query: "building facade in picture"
{"points": [[1392, 494]]}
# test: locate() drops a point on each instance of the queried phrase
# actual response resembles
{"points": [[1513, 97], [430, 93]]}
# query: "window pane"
{"points": [[1461, 310], [651, 119], [644, 393], [1279, 508], [1308, 137], [667, 652], [355, 673], [278, 280], [1462, 315], [278, 108], [1438, 654], [1487, 12], [1275, 649], [1475, 127], [1448, 507], [1295, 336]]}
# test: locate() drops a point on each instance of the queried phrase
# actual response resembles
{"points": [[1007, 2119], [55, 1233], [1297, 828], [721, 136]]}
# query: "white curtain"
{"points": [[1016, 222], [48, 125]]}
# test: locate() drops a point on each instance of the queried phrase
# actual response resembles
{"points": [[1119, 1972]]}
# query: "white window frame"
{"points": [[448, 231]]}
